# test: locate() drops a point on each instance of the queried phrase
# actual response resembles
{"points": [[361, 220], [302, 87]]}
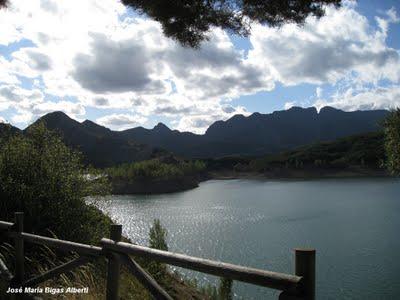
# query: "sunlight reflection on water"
{"points": [[353, 224]]}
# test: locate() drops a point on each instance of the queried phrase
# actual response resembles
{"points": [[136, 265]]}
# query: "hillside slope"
{"points": [[255, 135]]}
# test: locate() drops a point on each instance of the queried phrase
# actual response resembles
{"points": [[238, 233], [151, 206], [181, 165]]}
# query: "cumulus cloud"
{"points": [[39, 61], [31, 103], [364, 99], [289, 104], [97, 55], [121, 121], [199, 122], [116, 66], [70, 108], [13, 94], [100, 101], [327, 50], [22, 117], [318, 92]]}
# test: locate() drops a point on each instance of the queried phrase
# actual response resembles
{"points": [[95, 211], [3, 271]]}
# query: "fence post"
{"points": [[305, 267], [19, 250], [114, 265]]}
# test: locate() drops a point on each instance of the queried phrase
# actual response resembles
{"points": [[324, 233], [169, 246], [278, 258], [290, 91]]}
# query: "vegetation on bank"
{"points": [[156, 169], [365, 150], [359, 155], [392, 141], [159, 175], [42, 177]]}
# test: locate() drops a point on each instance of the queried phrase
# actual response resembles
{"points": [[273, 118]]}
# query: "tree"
{"points": [[392, 141], [188, 21], [43, 178], [225, 289], [158, 235], [157, 240]]}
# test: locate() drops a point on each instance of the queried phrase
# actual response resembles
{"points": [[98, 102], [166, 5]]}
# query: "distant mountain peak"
{"points": [[329, 109], [161, 127], [56, 118], [95, 128], [56, 114], [89, 123]]}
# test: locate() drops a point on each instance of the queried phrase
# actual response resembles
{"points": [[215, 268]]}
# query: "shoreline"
{"points": [[300, 175], [180, 185]]}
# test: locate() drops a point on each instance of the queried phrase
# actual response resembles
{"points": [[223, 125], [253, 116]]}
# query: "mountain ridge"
{"points": [[254, 135]]}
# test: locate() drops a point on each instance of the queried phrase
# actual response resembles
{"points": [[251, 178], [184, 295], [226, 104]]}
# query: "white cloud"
{"points": [[199, 122], [289, 104], [364, 99], [23, 117], [327, 50], [318, 92], [88, 51], [15, 96], [392, 14], [121, 121]]}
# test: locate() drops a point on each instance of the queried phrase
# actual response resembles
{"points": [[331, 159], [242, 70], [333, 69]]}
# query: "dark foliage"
{"points": [[156, 169], [189, 21], [365, 150], [157, 240], [100, 146], [392, 141], [225, 289], [259, 134], [3, 3], [255, 135], [43, 178]]}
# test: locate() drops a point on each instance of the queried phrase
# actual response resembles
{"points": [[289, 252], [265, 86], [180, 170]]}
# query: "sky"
{"points": [[97, 60]]}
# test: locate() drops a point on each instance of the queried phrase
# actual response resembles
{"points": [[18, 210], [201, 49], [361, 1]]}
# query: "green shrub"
{"points": [[392, 141], [154, 169], [157, 240], [43, 178], [225, 289]]}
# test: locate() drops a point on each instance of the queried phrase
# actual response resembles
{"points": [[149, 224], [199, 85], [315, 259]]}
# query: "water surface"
{"points": [[353, 223]]}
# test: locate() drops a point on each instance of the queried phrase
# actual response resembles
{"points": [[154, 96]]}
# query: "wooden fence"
{"points": [[300, 286]]}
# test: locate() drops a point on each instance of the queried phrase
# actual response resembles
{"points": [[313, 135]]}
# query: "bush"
{"points": [[46, 180], [392, 141], [157, 240], [154, 169], [225, 289]]}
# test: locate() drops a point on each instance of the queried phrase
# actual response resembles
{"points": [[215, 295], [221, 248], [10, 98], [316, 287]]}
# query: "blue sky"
{"points": [[104, 63]]}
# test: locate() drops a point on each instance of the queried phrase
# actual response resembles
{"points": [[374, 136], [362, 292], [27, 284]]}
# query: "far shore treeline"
{"points": [[296, 143]]}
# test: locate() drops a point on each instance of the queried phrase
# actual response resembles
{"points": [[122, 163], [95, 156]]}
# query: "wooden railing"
{"points": [[300, 286]]}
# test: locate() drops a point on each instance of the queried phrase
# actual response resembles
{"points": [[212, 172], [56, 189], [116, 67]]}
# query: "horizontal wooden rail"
{"points": [[60, 244], [5, 225], [278, 281], [300, 286]]}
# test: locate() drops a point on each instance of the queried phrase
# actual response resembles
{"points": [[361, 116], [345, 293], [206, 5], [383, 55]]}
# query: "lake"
{"points": [[353, 224]]}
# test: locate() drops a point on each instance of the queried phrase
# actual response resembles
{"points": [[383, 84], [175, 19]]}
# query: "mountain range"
{"points": [[253, 135]]}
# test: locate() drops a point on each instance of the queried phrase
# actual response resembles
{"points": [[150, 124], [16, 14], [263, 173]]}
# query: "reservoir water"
{"points": [[354, 224]]}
